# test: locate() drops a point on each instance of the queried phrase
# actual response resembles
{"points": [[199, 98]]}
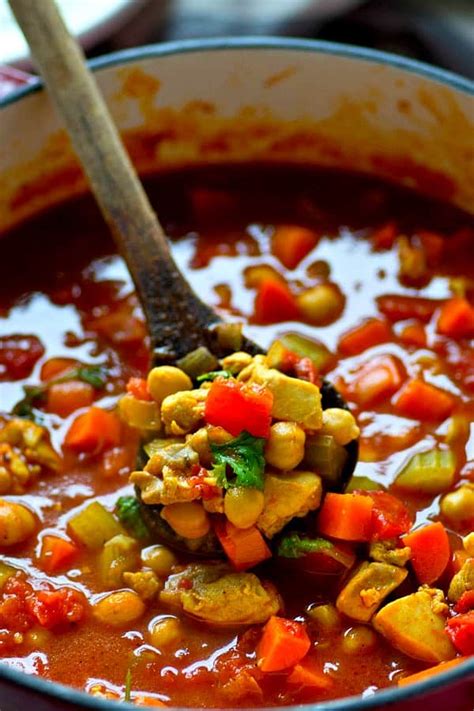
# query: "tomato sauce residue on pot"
{"points": [[351, 279]]}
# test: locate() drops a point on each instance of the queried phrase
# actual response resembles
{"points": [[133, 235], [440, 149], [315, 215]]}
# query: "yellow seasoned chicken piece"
{"points": [[287, 496], [415, 624], [215, 594], [367, 588], [463, 581], [182, 412]]}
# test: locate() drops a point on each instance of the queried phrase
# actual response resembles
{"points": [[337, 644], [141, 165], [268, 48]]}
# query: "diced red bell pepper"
{"points": [[275, 303], [237, 407], [461, 631]]}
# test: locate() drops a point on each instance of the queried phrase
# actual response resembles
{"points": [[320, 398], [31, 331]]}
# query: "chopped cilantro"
{"points": [[213, 374], [129, 514], [244, 457], [95, 375], [34, 395], [294, 546]]}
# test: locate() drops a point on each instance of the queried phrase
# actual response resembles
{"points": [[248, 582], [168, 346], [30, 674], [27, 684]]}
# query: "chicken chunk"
{"points": [[294, 400], [182, 412], [415, 624], [144, 582], [367, 588], [287, 496], [215, 594], [463, 581], [388, 552]]}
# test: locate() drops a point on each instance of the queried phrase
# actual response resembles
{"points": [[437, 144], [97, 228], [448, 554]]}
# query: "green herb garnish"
{"points": [[294, 546], [34, 395], [129, 514], [244, 457], [95, 375], [213, 374]]}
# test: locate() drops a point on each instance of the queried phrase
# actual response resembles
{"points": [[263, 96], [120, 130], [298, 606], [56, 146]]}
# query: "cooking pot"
{"points": [[252, 100]]}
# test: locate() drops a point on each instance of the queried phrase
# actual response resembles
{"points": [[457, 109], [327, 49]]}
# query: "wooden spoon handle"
{"points": [[173, 311]]}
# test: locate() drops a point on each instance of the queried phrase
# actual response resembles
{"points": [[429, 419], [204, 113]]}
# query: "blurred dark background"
{"points": [[437, 31]]}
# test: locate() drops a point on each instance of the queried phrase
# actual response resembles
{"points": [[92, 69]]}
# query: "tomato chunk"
{"points": [[368, 334], [390, 517], [18, 356], [461, 630], [237, 407], [274, 303]]}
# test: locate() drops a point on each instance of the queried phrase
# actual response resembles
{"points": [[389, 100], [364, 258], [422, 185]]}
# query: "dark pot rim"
{"points": [[386, 697]]}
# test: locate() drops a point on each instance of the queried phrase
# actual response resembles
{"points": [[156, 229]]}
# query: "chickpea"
{"points": [[160, 559], [321, 304], [236, 362], [165, 632], [340, 424], [285, 445], [468, 544], [326, 617], [38, 637], [17, 523], [166, 380], [358, 640], [243, 506], [458, 505], [187, 519], [119, 609]]}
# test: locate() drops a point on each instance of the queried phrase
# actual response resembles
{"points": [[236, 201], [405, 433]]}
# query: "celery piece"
{"points": [[326, 457], [93, 526], [429, 472], [198, 362], [303, 347], [229, 336], [118, 556], [6, 571], [362, 482]]}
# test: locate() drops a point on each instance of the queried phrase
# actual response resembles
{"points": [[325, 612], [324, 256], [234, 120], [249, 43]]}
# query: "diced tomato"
{"points": [[65, 398], [465, 602], [401, 308], [423, 401], [56, 554], [94, 432], [237, 407], [57, 608], [461, 631], [456, 319], [413, 334], [197, 480], [274, 303], [377, 380], [368, 334], [390, 517], [430, 551], [138, 388], [384, 237], [291, 244], [244, 547], [18, 356], [283, 644]]}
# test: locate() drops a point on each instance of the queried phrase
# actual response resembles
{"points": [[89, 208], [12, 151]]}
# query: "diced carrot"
{"points": [[244, 547], [401, 308], [274, 303], [306, 676], [54, 367], [377, 380], [346, 516], [94, 432], [428, 673], [283, 644], [146, 700], [413, 334], [384, 237], [64, 398], [56, 554], [291, 244], [422, 401], [430, 551], [138, 388], [456, 319], [368, 334]]}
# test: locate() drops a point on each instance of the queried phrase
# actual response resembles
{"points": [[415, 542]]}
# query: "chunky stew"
{"points": [[195, 534]]}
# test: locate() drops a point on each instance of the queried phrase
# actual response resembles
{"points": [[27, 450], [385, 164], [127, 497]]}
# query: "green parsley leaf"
{"points": [[95, 375], [129, 514], [213, 374], [244, 457], [34, 395], [294, 546]]}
